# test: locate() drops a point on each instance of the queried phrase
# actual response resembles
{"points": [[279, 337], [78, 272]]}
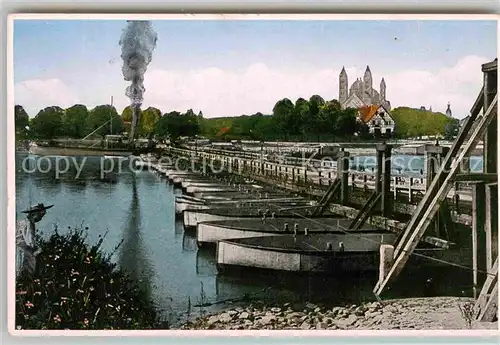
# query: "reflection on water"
{"points": [[205, 263], [189, 243], [138, 209], [179, 227], [133, 256]]}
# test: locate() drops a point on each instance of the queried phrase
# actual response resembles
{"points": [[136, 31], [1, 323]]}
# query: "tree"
{"points": [[345, 124], [300, 116], [75, 121], [282, 111], [147, 121], [127, 117], [451, 129], [363, 130], [315, 103], [313, 123], [327, 119], [335, 104], [415, 123], [21, 121], [99, 121], [175, 125], [48, 123]]}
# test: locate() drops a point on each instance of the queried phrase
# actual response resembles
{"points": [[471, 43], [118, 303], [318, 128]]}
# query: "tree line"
{"points": [[78, 122], [305, 120], [411, 123]]}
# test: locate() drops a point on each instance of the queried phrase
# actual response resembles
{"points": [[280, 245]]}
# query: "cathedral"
{"points": [[361, 93]]}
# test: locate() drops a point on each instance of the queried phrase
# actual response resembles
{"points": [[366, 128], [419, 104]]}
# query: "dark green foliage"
{"points": [[102, 114], [305, 120], [48, 123], [76, 286], [21, 120], [174, 125], [75, 121], [451, 129]]}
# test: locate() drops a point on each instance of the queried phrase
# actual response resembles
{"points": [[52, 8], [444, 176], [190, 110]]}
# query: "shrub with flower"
{"points": [[76, 286]]}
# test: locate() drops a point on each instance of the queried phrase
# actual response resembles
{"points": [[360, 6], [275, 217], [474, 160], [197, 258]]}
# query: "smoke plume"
{"points": [[138, 41]]}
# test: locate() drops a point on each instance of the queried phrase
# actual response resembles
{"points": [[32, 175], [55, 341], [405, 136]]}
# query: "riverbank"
{"points": [[404, 314]]}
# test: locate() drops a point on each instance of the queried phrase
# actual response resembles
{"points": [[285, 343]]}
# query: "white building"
{"points": [[378, 119]]}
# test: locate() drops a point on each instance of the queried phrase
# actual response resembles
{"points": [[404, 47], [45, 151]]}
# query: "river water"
{"points": [[138, 208]]}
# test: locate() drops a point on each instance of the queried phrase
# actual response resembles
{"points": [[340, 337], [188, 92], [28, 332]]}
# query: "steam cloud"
{"points": [[138, 42]]}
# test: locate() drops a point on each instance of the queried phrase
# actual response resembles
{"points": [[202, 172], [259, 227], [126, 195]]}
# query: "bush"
{"points": [[76, 286]]}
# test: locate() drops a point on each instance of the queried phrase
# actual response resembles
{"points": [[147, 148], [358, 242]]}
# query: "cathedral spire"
{"points": [[367, 86], [382, 89], [343, 86], [448, 111]]}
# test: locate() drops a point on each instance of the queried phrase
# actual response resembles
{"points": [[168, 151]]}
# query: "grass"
{"points": [[76, 286]]}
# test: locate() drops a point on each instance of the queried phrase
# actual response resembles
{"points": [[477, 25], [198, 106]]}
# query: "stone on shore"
{"points": [[412, 313]]}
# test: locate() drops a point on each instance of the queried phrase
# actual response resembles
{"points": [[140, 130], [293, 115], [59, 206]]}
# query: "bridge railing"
{"points": [[400, 184]]}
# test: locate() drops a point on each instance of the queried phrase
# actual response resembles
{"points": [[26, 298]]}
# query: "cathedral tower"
{"points": [[448, 111], [367, 86], [382, 90], [343, 85]]}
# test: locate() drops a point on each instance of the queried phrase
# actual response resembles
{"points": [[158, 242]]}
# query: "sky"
{"points": [[236, 67]]}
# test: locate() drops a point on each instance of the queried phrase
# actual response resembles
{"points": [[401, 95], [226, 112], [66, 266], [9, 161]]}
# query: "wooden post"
{"points": [[478, 220], [395, 187], [344, 166], [490, 138], [386, 260], [491, 223], [410, 191], [386, 182], [432, 167], [490, 166], [378, 173], [430, 158]]}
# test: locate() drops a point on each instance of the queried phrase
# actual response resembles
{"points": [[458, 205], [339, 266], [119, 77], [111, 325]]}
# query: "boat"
{"points": [[330, 253], [214, 231], [192, 217], [185, 202], [40, 150], [313, 253]]}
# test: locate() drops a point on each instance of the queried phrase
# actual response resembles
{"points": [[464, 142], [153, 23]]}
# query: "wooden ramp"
{"points": [[441, 185]]}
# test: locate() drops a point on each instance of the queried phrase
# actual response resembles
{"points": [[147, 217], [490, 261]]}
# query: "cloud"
{"points": [[37, 94], [224, 93], [458, 85], [220, 92]]}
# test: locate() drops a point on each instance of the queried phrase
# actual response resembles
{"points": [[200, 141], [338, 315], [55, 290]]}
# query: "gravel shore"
{"points": [[406, 314]]}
